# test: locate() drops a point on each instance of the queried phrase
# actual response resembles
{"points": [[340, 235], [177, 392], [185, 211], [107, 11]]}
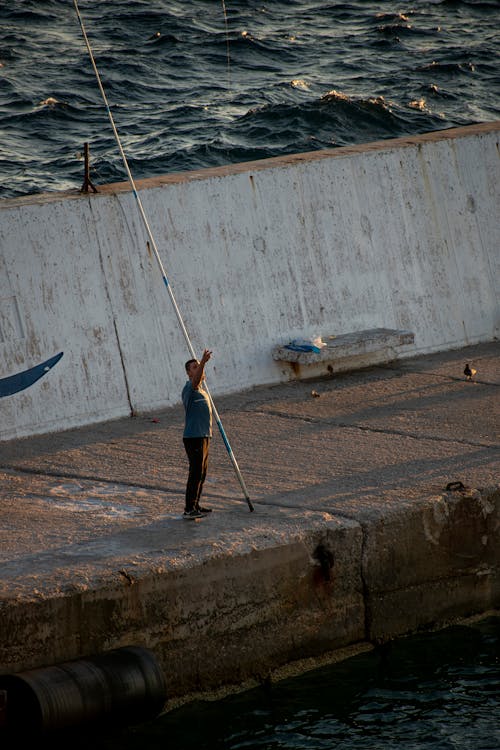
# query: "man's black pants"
{"points": [[197, 452]]}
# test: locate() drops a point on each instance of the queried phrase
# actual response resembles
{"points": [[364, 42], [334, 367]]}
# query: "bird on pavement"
{"points": [[469, 372]]}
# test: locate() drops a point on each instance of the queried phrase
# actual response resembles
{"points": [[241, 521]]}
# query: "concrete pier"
{"points": [[355, 538], [376, 491]]}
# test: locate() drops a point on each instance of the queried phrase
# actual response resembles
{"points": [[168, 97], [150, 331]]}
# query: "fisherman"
{"points": [[197, 433]]}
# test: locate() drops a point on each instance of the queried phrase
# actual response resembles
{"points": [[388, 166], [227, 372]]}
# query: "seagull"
{"points": [[469, 372]]}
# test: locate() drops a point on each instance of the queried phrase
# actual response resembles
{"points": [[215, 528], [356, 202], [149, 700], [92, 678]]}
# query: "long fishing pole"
{"points": [[158, 258]]}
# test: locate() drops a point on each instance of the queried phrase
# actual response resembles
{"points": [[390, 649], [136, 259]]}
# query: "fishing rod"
{"points": [[158, 258]]}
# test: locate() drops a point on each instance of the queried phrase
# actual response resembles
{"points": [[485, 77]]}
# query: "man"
{"points": [[197, 433]]}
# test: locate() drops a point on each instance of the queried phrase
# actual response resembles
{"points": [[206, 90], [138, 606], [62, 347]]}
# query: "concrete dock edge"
{"points": [[232, 620]]}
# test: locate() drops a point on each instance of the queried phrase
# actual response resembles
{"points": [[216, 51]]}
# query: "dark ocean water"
{"points": [[203, 83], [435, 691]]}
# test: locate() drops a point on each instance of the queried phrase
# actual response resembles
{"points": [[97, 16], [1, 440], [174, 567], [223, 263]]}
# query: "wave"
{"points": [[335, 119], [190, 87]]}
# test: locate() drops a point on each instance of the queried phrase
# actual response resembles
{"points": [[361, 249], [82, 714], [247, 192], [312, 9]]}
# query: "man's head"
{"points": [[190, 365]]}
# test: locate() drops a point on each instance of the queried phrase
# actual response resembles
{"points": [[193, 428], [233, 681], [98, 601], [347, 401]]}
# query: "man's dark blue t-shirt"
{"points": [[198, 412]]}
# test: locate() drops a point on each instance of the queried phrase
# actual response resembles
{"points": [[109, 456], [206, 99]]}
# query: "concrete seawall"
{"points": [[399, 234]]}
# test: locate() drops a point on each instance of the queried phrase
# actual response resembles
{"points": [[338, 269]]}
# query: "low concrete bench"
{"points": [[347, 351]]}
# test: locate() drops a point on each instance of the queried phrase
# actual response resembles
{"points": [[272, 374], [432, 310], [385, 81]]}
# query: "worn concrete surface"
{"points": [[94, 553]]}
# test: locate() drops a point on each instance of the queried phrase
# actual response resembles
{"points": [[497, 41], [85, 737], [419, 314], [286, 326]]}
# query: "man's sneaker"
{"points": [[190, 515], [203, 510]]}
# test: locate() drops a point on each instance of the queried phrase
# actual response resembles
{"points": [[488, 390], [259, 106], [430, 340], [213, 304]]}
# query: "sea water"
{"points": [[203, 83]]}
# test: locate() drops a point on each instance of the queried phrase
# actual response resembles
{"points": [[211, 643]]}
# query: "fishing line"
{"points": [[227, 46], [158, 258]]}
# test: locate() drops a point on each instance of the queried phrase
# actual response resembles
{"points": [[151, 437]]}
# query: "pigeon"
{"points": [[469, 372]]}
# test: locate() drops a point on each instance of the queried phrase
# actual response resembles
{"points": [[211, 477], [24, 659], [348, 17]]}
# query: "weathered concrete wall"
{"points": [[433, 563], [230, 619], [401, 234]]}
